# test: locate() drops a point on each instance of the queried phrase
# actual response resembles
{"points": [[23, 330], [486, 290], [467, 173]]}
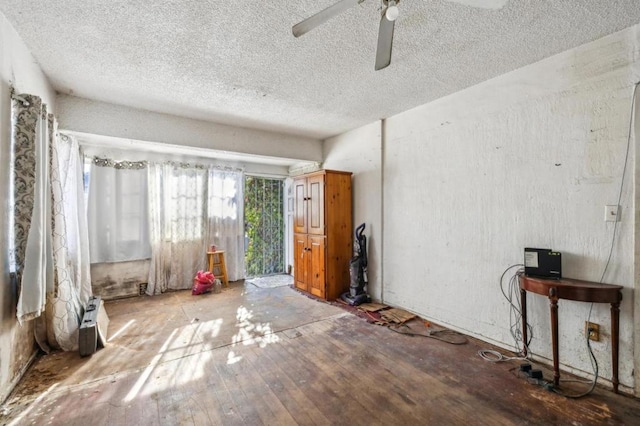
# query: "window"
{"points": [[118, 212]]}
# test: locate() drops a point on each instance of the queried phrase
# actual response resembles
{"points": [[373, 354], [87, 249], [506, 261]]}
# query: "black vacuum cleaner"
{"points": [[358, 271]]}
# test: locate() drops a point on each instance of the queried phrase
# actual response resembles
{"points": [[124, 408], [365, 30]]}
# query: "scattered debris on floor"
{"points": [[372, 307], [395, 315], [397, 320], [403, 322]]}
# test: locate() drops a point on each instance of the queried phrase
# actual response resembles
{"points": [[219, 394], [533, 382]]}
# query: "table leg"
{"points": [[615, 324], [553, 300], [523, 312]]}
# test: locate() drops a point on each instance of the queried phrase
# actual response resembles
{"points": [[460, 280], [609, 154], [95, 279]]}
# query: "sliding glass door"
{"points": [[264, 226]]}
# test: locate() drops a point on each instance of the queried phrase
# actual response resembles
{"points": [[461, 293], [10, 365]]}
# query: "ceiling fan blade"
{"points": [[323, 16], [385, 41], [484, 4]]}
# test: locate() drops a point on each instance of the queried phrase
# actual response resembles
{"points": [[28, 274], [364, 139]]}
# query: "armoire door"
{"points": [[302, 258], [316, 271], [315, 205], [300, 206]]}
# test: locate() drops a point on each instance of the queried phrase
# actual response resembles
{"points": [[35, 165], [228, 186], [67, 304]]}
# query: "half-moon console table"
{"points": [[578, 290]]}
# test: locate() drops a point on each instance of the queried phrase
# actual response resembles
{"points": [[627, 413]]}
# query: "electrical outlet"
{"points": [[611, 214], [592, 330]]}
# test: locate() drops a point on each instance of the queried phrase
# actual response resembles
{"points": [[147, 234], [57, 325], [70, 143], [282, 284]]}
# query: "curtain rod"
{"points": [[186, 165], [18, 97], [126, 164]]}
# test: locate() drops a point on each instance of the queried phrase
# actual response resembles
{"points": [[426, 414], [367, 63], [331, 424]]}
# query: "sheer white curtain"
{"points": [[225, 218], [159, 269], [177, 196], [191, 207], [71, 172], [70, 244], [117, 211]]}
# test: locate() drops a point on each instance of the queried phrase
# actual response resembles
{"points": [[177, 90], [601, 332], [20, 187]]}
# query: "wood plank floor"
{"points": [[252, 356]]}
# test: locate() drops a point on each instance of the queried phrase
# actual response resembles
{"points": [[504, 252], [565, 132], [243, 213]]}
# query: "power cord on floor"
{"points": [[536, 377], [495, 356]]}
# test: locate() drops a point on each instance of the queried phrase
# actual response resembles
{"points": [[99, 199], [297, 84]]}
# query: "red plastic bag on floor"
{"points": [[202, 283]]}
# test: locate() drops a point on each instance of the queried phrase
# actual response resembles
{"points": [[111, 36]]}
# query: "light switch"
{"points": [[611, 214]]}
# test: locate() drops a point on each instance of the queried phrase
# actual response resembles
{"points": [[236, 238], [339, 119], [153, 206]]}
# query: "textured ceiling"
{"points": [[236, 62]]}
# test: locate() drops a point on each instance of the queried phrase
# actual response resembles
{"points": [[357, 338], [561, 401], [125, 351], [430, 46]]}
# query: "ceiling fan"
{"points": [[390, 13]]}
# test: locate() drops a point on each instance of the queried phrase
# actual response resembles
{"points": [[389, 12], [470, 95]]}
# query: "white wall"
{"points": [[636, 301], [360, 151], [99, 118], [527, 159], [17, 68]]}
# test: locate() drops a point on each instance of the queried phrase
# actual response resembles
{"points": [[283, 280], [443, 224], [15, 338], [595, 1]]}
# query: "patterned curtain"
{"points": [[54, 281], [32, 236]]}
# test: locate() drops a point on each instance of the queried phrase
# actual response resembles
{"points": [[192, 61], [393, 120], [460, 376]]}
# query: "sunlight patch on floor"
{"points": [[250, 333], [147, 372], [122, 329]]}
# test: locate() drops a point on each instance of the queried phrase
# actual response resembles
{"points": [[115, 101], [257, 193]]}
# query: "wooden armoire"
{"points": [[323, 234]]}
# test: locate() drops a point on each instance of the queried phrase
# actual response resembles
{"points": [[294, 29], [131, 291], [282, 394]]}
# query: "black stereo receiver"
{"points": [[542, 263]]}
